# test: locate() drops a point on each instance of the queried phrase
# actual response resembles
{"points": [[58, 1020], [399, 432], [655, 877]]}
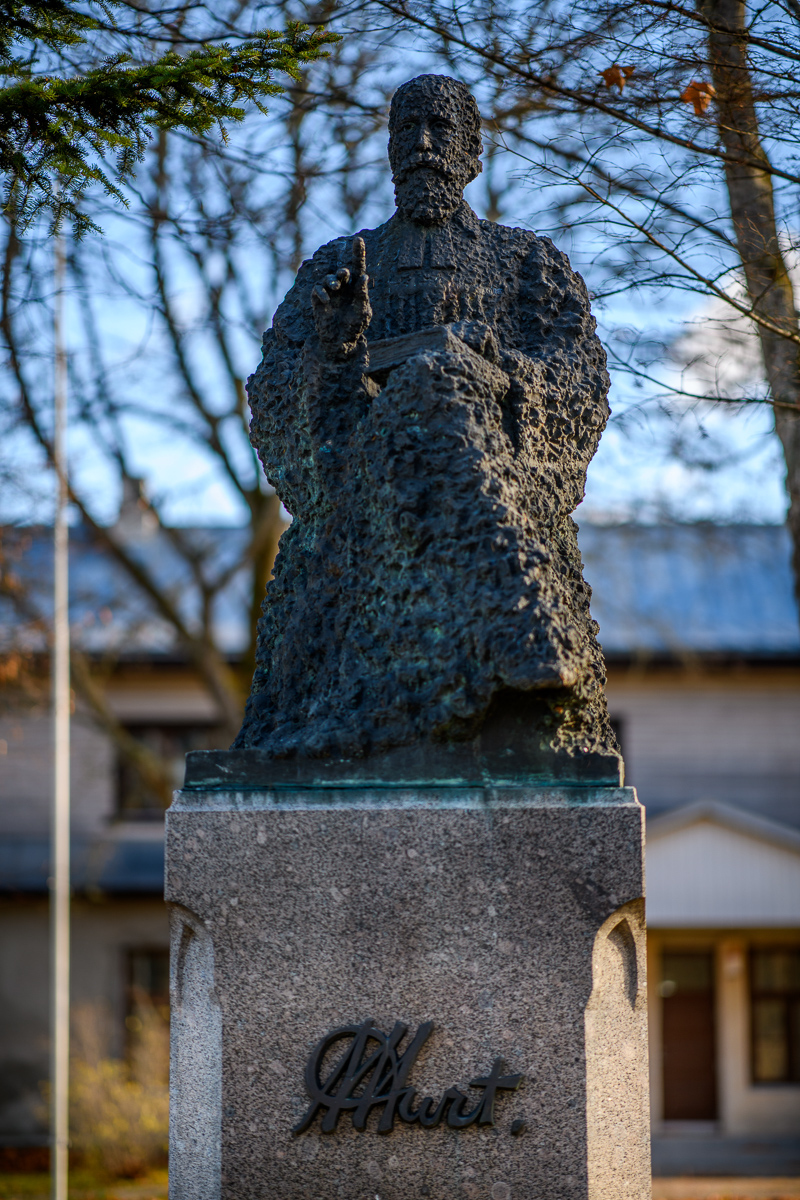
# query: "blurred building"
{"points": [[702, 639]]}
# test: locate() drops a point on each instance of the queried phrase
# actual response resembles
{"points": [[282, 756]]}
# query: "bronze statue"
{"points": [[430, 396]]}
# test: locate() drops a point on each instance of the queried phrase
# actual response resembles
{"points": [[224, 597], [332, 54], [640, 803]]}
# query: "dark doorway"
{"points": [[690, 1076]]}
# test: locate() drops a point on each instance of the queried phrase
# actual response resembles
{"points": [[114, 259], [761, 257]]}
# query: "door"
{"points": [[690, 1075]]}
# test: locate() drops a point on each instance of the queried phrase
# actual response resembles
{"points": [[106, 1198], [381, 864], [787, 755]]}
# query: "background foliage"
{"points": [[76, 85], [603, 129]]}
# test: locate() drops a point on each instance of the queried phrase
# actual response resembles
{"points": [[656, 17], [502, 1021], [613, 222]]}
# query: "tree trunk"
{"points": [[753, 212]]}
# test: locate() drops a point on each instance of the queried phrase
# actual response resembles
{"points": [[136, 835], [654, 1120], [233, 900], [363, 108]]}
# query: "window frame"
{"points": [[790, 996], [137, 729]]}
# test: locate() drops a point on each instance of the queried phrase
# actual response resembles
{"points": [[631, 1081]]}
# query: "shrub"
{"points": [[119, 1109]]}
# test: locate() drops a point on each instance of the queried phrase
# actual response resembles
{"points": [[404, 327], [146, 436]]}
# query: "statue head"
{"points": [[434, 146]]}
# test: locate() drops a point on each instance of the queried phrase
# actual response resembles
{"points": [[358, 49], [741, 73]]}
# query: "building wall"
{"points": [[26, 776], [695, 735], [150, 693], [745, 1108], [727, 735], [705, 874], [102, 932], [143, 694]]}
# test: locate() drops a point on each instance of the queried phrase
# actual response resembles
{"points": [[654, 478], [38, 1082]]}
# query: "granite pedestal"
{"points": [[511, 919]]}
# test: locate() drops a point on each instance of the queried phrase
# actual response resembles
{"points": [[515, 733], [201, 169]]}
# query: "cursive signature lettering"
{"points": [[372, 1071]]}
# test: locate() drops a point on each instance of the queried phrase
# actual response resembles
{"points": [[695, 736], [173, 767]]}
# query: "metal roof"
{"points": [[103, 865], [663, 590], [702, 589]]}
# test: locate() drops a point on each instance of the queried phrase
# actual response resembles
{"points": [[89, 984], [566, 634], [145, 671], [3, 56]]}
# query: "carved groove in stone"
{"points": [[621, 937], [195, 1119], [617, 1083]]}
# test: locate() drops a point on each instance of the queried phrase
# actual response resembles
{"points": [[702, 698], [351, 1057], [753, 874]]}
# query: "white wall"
{"points": [[729, 736], [153, 694], [148, 695], [708, 876], [26, 776]]}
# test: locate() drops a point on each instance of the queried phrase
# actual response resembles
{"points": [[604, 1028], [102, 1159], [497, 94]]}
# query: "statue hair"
{"points": [[456, 92]]}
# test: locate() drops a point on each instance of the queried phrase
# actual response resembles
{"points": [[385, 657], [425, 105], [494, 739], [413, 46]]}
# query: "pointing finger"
{"points": [[362, 288], [359, 256]]}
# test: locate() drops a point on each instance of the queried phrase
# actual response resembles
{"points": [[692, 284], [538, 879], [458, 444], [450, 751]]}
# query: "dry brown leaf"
{"points": [[616, 75], [699, 94]]}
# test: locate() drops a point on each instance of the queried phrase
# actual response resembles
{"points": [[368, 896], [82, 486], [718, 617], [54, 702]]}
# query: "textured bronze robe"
{"points": [[431, 573]]}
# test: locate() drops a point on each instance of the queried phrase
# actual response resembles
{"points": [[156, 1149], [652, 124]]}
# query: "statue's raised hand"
{"points": [[341, 306]]}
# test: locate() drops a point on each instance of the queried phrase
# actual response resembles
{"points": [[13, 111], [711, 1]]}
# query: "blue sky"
{"points": [[697, 462]]}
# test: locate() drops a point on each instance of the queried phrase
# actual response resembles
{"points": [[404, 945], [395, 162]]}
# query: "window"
{"points": [[775, 1007], [147, 981], [170, 743]]}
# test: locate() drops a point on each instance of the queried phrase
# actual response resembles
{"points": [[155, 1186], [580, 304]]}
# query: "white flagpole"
{"points": [[60, 828]]}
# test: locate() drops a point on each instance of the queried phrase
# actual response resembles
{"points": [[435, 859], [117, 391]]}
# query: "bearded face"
{"points": [[432, 161]]}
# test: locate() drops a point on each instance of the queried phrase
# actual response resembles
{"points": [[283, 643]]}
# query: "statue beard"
{"points": [[428, 195]]}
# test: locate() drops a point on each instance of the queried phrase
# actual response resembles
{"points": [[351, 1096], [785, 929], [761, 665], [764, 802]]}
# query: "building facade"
{"points": [[702, 640]]}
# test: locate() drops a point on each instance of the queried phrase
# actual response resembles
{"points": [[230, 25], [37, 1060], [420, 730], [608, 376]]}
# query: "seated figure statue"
{"points": [[430, 396]]}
